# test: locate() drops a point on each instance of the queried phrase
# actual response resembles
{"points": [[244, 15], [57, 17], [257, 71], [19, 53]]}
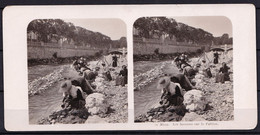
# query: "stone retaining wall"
{"points": [[148, 46], [41, 51]]}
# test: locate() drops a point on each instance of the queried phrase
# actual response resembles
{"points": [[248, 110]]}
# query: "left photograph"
{"points": [[77, 71]]}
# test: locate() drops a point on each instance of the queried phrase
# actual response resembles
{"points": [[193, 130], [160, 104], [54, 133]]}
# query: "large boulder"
{"points": [[194, 100], [96, 104]]}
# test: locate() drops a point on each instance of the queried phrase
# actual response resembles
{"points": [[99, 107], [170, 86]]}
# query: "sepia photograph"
{"points": [[130, 67], [183, 69], [77, 71]]}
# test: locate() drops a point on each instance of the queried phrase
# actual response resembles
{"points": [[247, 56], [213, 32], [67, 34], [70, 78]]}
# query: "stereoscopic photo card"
{"points": [[129, 67]]}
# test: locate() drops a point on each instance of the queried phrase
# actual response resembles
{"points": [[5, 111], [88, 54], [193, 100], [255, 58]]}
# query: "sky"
{"points": [[114, 28], [216, 25]]}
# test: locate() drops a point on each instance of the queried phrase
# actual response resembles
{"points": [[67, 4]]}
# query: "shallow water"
{"points": [[146, 98], [43, 104]]}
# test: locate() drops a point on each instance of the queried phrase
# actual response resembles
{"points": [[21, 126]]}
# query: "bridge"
{"points": [[222, 47], [118, 51]]}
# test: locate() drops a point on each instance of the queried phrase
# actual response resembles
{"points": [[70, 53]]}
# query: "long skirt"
{"points": [[182, 80], [168, 100], [81, 82], [207, 73], [222, 77], [120, 80], [114, 64], [89, 75], [107, 76], [215, 61]]}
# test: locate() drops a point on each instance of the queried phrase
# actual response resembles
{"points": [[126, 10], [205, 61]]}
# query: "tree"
{"points": [[224, 38], [155, 27]]}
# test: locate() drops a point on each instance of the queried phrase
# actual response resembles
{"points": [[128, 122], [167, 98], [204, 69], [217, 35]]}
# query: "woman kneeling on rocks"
{"points": [[189, 71], [83, 83], [183, 80], [223, 74], [205, 69], [74, 97], [121, 79], [172, 93]]}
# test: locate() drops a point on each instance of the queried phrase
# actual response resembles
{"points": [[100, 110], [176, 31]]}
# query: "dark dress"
{"points": [[108, 76], [177, 62], [114, 61], [182, 80], [208, 73], [76, 65], [123, 72], [223, 74], [81, 82], [91, 76], [77, 103], [190, 72], [167, 99], [215, 58]]}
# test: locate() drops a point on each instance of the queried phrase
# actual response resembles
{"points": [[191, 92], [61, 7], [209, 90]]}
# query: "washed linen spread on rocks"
{"points": [[96, 104], [194, 100]]}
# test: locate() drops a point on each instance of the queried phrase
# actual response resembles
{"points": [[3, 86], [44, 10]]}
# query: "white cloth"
{"points": [[194, 100]]}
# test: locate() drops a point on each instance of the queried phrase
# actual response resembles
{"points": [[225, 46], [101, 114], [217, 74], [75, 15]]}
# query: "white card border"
{"points": [[16, 19]]}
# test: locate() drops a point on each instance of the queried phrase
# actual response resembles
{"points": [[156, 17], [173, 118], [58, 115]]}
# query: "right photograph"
{"points": [[183, 69]]}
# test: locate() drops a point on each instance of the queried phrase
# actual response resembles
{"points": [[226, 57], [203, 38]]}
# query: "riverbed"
{"points": [[43, 104]]}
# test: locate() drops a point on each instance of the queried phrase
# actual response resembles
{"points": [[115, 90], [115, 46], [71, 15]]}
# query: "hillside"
{"points": [[57, 30], [168, 28]]}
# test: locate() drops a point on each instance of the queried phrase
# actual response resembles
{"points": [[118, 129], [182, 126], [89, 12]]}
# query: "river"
{"points": [[43, 104]]}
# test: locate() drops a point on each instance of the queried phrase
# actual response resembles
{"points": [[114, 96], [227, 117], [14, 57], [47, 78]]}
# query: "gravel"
{"points": [[144, 79], [41, 84]]}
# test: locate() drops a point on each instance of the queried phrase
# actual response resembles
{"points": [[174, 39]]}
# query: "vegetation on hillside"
{"points": [[54, 30], [168, 28]]}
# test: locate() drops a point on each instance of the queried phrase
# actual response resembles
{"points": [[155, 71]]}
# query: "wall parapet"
{"points": [[39, 50]]}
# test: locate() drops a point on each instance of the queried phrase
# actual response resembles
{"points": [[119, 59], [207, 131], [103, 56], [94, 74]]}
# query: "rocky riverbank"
{"points": [[144, 79], [115, 98], [41, 84], [161, 56], [219, 104]]}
